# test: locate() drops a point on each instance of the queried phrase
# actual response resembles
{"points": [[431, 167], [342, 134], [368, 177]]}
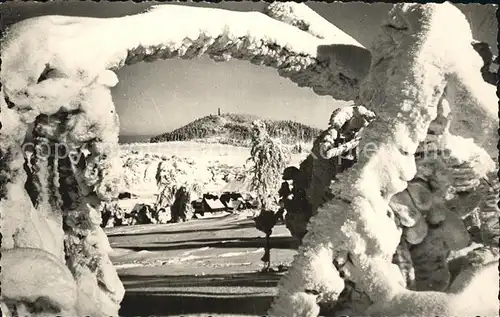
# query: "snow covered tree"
{"points": [[166, 182], [269, 157]]}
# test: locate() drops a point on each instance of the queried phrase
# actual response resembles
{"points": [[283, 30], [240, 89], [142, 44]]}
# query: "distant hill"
{"points": [[124, 139], [236, 129]]}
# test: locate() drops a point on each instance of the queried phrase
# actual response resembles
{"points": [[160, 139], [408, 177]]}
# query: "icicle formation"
{"points": [[357, 228]]}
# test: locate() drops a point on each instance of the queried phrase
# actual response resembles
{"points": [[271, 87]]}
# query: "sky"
{"points": [[153, 98]]}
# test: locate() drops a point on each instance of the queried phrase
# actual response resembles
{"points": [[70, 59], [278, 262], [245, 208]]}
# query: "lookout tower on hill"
{"points": [[218, 111]]}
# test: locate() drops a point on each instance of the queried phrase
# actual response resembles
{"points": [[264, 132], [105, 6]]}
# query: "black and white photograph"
{"points": [[249, 158]]}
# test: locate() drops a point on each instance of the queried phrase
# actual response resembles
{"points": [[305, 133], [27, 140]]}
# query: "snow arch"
{"points": [[60, 80], [331, 66]]}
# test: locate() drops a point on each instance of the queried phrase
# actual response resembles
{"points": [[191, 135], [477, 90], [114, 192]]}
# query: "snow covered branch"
{"points": [[343, 48], [73, 52], [304, 18]]}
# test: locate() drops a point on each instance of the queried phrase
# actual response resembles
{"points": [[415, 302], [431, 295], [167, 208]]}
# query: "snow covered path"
{"points": [[205, 267]]}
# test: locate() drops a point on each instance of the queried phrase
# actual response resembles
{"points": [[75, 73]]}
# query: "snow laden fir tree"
{"points": [[269, 157], [166, 181]]}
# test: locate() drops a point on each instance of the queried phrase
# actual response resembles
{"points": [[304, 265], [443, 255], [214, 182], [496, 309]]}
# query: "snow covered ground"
{"points": [[204, 267], [200, 152], [207, 164]]}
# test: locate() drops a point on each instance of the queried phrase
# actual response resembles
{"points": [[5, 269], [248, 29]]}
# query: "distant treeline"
{"points": [[237, 129]]}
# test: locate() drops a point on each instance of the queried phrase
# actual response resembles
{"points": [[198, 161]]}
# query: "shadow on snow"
{"points": [[189, 301], [232, 242], [185, 231]]}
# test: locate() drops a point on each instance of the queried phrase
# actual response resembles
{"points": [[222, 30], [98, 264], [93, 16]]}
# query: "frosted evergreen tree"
{"points": [[166, 182], [269, 157]]}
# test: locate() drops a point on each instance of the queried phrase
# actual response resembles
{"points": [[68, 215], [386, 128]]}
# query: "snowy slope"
{"points": [[206, 267]]}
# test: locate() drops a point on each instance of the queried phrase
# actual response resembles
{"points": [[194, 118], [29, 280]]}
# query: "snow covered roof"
{"points": [[214, 204]]}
